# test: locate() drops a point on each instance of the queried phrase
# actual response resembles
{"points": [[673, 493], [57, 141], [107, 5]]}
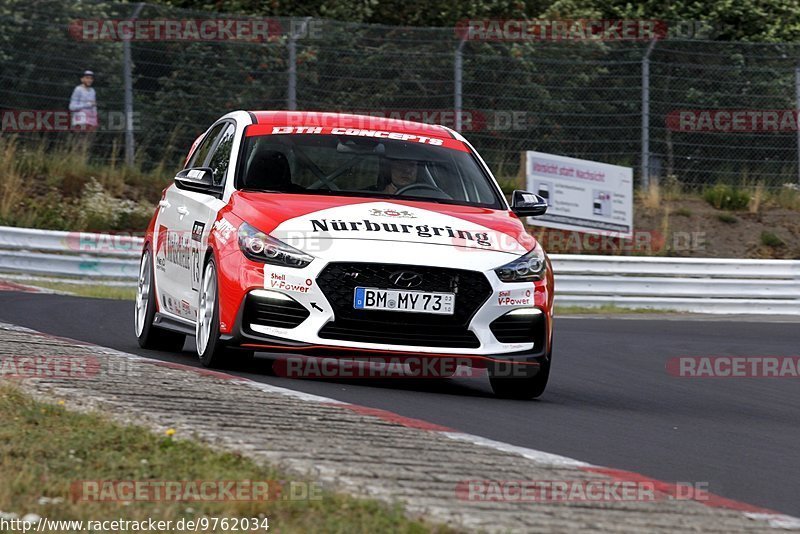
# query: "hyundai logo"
{"points": [[406, 279]]}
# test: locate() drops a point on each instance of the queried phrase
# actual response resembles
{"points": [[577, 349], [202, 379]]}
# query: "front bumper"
{"points": [[512, 322]]}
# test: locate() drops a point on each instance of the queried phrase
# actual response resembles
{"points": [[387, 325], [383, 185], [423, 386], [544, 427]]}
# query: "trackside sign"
{"points": [[584, 196]]}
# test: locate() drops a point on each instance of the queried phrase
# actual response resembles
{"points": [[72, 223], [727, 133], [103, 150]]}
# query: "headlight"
{"points": [[258, 246], [527, 268]]}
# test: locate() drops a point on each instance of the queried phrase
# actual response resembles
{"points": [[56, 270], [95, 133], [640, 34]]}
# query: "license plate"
{"points": [[368, 298]]}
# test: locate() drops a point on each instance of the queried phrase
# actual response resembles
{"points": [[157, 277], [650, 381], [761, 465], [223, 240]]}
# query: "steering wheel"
{"points": [[427, 187]]}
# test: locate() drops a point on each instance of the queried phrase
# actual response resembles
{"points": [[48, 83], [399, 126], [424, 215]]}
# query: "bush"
{"points": [[771, 240], [726, 197], [727, 218], [98, 210]]}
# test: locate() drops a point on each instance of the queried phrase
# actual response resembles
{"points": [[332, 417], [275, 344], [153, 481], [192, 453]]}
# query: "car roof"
{"points": [[348, 120]]}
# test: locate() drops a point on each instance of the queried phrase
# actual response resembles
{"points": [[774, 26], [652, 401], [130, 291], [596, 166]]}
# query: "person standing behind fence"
{"points": [[83, 104]]}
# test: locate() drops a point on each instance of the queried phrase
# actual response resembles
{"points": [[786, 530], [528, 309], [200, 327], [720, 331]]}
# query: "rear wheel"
{"points": [[520, 381], [149, 335]]}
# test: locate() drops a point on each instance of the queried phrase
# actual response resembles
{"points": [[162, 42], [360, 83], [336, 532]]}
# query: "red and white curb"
{"points": [[772, 518]]}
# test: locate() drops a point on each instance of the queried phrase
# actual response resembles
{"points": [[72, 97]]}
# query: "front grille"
{"points": [[519, 329], [399, 334], [271, 312], [339, 280]]}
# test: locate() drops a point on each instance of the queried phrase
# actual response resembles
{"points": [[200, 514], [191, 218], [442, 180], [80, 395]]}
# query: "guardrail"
{"points": [[724, 286], [702, 285], [79, 255]]}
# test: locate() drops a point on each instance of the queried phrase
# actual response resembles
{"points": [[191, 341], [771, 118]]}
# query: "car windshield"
{"points": [[358, 166]]}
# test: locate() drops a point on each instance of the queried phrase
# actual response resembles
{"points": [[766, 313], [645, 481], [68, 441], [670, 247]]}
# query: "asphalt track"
{"points": [[610, 401]]}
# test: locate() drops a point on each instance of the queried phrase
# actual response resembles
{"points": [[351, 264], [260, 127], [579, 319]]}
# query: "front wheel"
{"points": [[209, 347], [149, 335], [520, 382]]}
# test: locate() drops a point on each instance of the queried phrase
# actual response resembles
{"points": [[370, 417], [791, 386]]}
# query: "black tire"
{"points": [[152, 337], [530, 385]]}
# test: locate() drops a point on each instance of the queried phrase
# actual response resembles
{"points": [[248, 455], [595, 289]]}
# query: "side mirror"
{"points": [[527, 204], [199, 180]]}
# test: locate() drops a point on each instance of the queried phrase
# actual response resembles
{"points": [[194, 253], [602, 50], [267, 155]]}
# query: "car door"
{"points": [[173, 243], [196, 214]]}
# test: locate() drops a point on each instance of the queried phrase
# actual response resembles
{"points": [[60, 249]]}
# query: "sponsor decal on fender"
{"points": [[279, 281], [223, 230], [161, 257], [514, 297]]}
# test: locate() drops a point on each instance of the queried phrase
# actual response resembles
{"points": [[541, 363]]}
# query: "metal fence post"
{"points": [[797, 105], [646, 115], [127, 75], [458, 73], [291, 95], [294, 34]]}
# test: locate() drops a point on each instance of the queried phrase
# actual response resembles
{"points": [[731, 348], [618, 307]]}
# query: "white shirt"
{"points": [[83, 105]]}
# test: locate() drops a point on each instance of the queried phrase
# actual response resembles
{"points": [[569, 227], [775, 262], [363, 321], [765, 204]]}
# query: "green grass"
{"points": [[787, 197], [604, 309], [683, 212], [129, 293], [727, 218], [83, 290], [56, 186], [44, 448]]}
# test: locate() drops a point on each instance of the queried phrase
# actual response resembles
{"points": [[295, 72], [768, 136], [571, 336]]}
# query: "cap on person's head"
{"points": [[87, 73]]}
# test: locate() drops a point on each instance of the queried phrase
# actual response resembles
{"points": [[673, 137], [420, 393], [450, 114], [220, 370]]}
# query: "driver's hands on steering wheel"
{"points": [[423, 186]]}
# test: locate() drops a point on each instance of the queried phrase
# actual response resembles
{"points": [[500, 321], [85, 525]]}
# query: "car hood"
{"points": [[388, 231]]}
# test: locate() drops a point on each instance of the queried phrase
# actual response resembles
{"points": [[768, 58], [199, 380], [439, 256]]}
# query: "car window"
{"points": [[347, 165], [199, 156], [222, 154]]}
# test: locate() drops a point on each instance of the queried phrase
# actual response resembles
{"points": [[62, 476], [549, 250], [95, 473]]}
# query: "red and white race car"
{"points": [[343, 235]]}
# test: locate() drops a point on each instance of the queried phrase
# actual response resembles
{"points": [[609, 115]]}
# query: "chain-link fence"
{"points": [[703, 102]]}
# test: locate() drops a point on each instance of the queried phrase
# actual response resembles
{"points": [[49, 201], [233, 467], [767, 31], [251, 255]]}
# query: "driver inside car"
{"points": [[403, 173]]}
